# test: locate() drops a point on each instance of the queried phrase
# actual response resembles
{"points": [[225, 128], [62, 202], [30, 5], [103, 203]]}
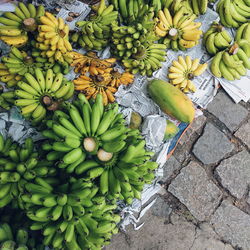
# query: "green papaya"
{"points": [[135, 121], [171, 130], [171, 100]]}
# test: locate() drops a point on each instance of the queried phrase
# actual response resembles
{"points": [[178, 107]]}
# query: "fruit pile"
{"points": [[216, 39], [232, 63], [179, 32], [183, 71], [64, 191], [16, 26]]}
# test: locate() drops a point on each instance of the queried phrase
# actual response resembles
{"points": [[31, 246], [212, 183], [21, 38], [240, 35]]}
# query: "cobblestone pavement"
{"points": [[205, 204]]}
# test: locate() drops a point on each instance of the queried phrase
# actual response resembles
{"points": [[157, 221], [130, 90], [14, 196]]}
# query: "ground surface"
{"points": [[205, 204]]}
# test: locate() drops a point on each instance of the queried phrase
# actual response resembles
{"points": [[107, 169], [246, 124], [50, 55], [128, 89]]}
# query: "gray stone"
{"points": [[170, 167], [161, 208], [227, 111], [177, 235], [157, 235], [244, 133], [234, 173], [232, 225], [207, 239], [193, 188], [212, 146], [195, 127]]}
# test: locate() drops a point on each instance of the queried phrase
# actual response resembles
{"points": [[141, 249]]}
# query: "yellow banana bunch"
{"points": [[90, 86], [16, 24], [179, 31], [183, 71], [53, 39], [40, 93], [91, 63]]}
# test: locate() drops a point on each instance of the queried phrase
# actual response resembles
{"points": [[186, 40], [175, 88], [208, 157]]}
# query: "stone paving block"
{"points": [[193, 188], [194, 128], [212, 146], [161, 208], [234, 173], [170, 167], [244, 133], [227, 111], [233, 225]]}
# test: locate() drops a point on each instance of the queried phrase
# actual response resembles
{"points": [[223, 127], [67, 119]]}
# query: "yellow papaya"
{"points": [[171, 100]]}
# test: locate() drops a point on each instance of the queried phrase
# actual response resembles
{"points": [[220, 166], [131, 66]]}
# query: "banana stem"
{"points": [[47, 100], [103, 155], [234, 49], [28, 60], [30, 24], [90, 144], [173, 33], [54, 106]]}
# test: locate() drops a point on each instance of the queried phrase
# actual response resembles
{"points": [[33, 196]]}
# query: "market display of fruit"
{"points": [[18, 165], [243, 32], [216, 39], [232, 63], [182, 72], [95, 33], [17, 24], [179, 31], [233, 13], [67, 190], [171, 100], [39, 93]]}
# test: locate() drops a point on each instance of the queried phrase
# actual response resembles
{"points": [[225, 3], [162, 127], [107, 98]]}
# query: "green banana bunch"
{"points": [[233, 13], [70, 212], [16, 24], [18, 165], [95, 32], [81, 130], [233, 62], [146, 59], [7, 99], [243, 32], [199, 7], [120, 174], [18, 63], [216, 39], [19, 239], [41, 93]]}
